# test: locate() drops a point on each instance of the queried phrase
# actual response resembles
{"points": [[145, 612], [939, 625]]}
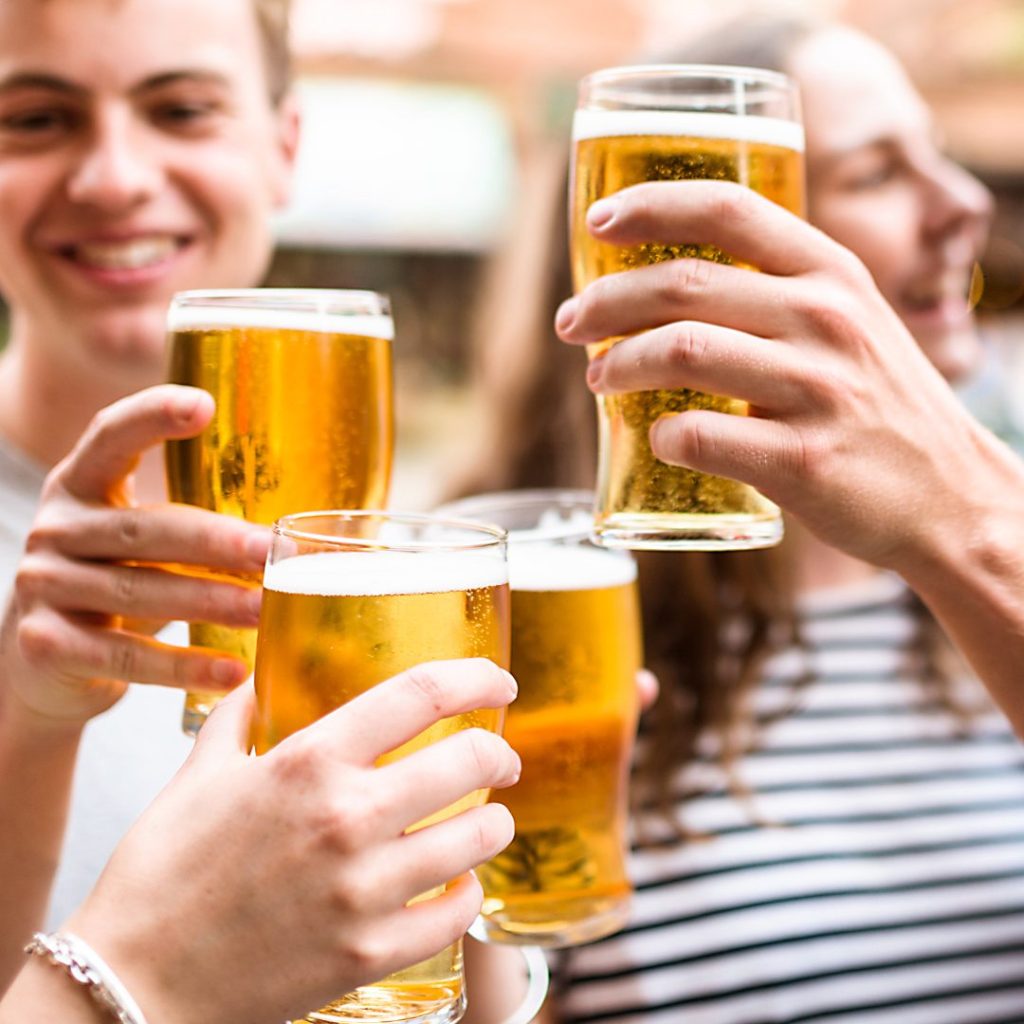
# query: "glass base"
{"points": [[197, 709], [652, 532], [552, 931], [386, 1006]]}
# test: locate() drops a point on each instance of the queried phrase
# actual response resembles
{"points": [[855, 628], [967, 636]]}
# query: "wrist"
{"points": [[972, 535], [145, 969], [84, 967]]}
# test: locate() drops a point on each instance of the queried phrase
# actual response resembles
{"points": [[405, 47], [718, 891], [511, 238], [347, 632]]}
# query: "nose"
{"points": [[116, 171], [958, 203]]}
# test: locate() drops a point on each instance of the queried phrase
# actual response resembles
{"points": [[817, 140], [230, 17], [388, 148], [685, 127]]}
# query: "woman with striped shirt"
{"points": [[829, 823]]}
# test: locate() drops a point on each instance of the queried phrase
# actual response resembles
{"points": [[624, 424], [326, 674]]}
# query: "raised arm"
{"points": [[852, 430], [206, 910], [88, 595]]}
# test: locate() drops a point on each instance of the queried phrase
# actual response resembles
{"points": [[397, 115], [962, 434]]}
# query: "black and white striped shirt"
{"points": [[875, 874]]}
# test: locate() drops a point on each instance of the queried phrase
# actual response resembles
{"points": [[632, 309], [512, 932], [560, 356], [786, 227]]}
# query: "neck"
{"points": [[44, 409], [820, 566]]}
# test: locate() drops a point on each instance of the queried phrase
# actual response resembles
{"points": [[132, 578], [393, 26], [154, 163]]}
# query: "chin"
{"points": [[130, 339]]}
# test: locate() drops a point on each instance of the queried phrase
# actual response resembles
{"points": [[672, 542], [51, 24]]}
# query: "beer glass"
{"points": [[669, 123], [576, 649], [349, 600], [303, 385]]}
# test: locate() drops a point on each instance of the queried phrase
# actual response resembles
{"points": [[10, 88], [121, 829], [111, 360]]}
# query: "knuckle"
{"points": [[124, 661], [828, 313], [103, 422], [691, 276], [30, 579], [125, 588], [47, 531], [130, 528], [484, 751], [427, 687], [38, 641], [729, 203], [296, 765], [694, 440], [346, 827], [812, 456], [367, 953], [687, 345]]}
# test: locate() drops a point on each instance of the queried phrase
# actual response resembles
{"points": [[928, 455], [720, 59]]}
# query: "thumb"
{"points": [[226, 731]]}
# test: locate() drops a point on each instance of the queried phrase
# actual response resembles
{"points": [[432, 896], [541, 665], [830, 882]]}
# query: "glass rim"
{"points": [[319, 310], [725, 72], [520, 499], [540, 498], [488, 535], [313, 299]]}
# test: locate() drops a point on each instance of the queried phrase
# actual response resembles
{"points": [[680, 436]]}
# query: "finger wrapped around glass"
{"points": [[303, 386], [349, 600], [576, 650], [673, 123]]}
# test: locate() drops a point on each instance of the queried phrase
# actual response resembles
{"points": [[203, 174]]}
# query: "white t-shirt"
{"points": [[127, 754]]}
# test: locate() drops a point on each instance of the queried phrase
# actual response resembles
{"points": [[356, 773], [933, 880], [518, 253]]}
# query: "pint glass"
{"points": [[303, 385], [349, 600], [670, 123], [576, 649]]}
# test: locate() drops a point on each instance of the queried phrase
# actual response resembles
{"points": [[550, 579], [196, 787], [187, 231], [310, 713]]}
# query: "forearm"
{"points": [[37, 762], [970, 573]]}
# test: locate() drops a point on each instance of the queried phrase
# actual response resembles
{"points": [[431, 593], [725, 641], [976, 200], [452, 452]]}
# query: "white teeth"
{"points": [[130, 255]]}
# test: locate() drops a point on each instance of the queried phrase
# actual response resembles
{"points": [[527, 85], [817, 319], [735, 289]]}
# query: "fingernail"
{"points": [[513, 685], [566, 315], [595, 371], [254, 600], [657, 429], [601, 213]]}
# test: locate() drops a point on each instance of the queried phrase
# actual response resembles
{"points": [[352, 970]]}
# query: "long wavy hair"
{"points": [[710, 619]]}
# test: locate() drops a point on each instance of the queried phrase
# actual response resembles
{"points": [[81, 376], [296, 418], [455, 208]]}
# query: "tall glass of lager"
{"points": [[576, 649], [349, 600], [670, 123], [303, 385]]}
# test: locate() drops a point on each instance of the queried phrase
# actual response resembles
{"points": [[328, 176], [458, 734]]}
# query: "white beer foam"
{"points": [[186, 318], [771, 131], [383, 573], [550, 567]]}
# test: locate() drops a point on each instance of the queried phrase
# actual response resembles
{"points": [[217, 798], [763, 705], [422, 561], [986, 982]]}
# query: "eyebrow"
{"points": [[39, 80], [54, 83]]}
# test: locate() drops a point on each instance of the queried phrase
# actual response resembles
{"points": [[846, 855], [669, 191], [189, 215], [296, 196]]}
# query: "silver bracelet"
{"points": [[87, 968]]}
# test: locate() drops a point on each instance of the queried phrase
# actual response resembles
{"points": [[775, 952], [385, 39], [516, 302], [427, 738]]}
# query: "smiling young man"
{"points": [[144, 145]]}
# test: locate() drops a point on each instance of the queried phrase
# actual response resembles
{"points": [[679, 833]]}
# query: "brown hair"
{"points": [[272, 17], [710, 619]]}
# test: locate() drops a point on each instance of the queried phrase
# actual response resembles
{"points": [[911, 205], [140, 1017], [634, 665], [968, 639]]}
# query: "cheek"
{"points": [[882, 233], [25, 193], [234, 194]]}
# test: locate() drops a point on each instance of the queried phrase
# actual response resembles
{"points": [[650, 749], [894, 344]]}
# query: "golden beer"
{"points": [[575, 654], [643, 502], [576, 649], [303, 420], [333, 624]]}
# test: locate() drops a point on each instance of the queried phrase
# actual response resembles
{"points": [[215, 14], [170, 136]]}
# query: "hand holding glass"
{"points": [[303, 385], [672, 123], [349, 600]]}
